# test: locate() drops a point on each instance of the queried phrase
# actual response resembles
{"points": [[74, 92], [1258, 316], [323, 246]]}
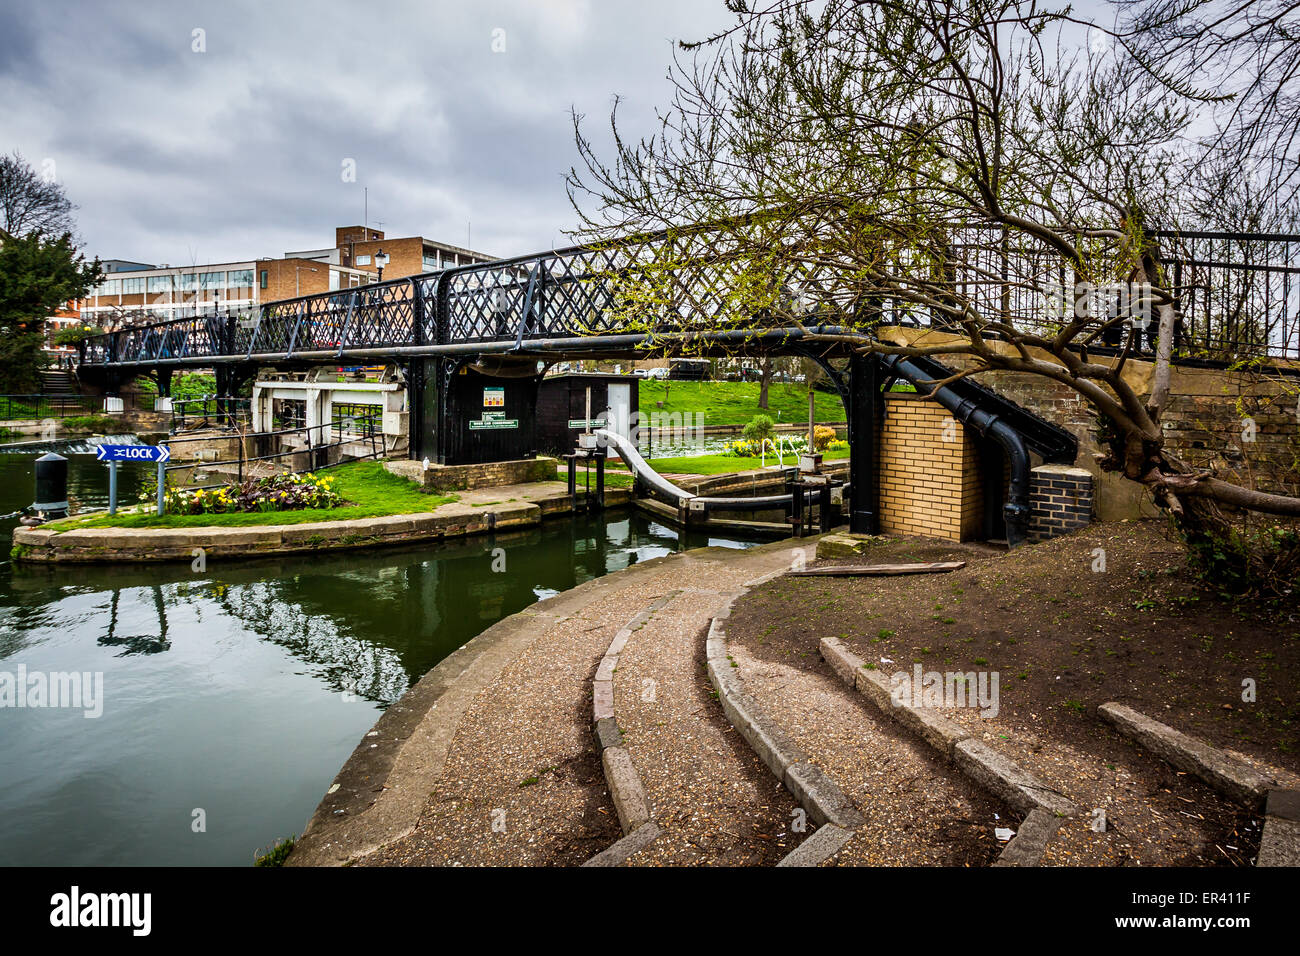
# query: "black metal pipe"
{"points": [[1016, 508]]}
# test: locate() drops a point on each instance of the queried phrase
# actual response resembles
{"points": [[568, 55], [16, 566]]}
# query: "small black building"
{"points": [[562, 407]]}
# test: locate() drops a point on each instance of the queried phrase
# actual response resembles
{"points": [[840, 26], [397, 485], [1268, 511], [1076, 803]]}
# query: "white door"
{"points": [[620, 410]]}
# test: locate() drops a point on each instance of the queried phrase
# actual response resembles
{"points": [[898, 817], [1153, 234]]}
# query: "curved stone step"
{"points": [[706, 790]]}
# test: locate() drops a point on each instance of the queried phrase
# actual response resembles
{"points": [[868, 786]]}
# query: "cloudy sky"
{"points": [[233, 142]]}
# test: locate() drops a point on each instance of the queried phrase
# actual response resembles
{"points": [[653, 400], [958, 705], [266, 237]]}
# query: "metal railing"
{"points": [[220, 410], [1236, 294], [20, 407], [314, 453]]}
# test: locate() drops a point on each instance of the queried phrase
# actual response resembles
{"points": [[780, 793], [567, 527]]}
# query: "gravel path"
{"points": [[521, 783], [918, 810], [716, 801]]}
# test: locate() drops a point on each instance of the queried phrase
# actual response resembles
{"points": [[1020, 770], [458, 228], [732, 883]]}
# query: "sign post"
{"points": [[119, 453], [162, 487]]}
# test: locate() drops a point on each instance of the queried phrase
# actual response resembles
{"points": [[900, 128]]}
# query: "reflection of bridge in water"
{"points": [[367, 623]]}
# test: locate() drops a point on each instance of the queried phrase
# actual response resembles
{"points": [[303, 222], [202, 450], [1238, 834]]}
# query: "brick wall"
{"points": [[929, 472], [1244, 425], [290, 278], [1060, 500], [467, 477]]}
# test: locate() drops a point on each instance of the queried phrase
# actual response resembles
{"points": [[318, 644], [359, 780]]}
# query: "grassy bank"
{"points": [[722, 464], [373, 492], [735, 403]]}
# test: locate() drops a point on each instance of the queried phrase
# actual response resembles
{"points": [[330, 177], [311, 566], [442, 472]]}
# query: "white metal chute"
{"points": [[641, 468]]}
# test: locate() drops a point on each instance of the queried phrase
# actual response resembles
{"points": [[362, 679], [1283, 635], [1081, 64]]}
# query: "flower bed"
{"points": [[276, 493], [823, 440]]}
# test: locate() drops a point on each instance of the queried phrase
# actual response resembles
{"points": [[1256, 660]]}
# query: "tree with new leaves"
{"points": [[971, 168]]}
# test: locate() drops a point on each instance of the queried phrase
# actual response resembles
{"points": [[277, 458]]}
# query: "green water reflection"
{"points": [[240, 691]]}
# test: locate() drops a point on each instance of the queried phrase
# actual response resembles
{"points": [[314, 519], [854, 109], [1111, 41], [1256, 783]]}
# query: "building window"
{"points": [[160, 283], [363, 260], [212, 280], [108, 287], [263, 279], [431, 263], [133, 286], [241, 279]]}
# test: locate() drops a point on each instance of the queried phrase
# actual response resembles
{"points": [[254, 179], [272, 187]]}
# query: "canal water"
{"points": [[231, 697]]}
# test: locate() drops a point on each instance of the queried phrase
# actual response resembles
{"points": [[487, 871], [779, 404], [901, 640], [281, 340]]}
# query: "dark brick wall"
{"points": [[1060, 500]]}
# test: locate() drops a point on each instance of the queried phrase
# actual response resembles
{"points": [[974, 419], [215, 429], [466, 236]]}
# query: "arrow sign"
{"points": [[112, 453]]}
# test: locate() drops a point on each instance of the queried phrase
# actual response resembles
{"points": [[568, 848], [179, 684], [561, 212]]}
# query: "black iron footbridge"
{"points": [[501, 322]]}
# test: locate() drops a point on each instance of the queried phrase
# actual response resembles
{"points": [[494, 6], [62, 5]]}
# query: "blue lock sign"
{"points": [[112, 453]]}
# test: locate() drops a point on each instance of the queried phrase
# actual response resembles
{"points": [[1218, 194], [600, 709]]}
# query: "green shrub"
{"points": [[759, 428], [1259, 560], [822, 437]]}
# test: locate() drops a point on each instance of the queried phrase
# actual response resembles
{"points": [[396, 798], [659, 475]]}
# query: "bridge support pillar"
{"points": [[231, 378], [424, 391], [864, 410]]}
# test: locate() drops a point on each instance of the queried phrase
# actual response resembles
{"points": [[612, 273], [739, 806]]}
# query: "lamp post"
{"points": [[297, 283], [381, 260]]}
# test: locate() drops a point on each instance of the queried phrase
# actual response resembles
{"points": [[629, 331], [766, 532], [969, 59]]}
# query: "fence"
{"points": [[20, 407], [312, 455]]}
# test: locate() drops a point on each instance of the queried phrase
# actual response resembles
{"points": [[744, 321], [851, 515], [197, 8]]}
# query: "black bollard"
{"points": [[51, 486]]}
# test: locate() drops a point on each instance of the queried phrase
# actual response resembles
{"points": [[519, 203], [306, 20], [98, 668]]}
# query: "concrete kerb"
{"points": [[1231, 777], [631, 802], [1030, 842], [1042, 806], [1279, 844], [817, 793]]}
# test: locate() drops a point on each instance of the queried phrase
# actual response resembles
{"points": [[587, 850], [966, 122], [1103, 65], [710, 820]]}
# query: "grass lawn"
{"points": [[373, 491], [735, 403], [722, 464], [185, 385], [614, 478]]}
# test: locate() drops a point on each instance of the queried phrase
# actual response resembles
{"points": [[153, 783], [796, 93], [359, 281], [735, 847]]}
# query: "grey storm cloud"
{"points": [[236, 150]]}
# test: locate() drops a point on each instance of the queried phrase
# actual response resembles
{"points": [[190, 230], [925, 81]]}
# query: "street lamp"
{"points": [[381, 260], [297, 284]]}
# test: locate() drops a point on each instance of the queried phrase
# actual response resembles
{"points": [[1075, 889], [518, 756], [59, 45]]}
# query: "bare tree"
{"points": [[1239, 60], [950, 178], [31, 201]]}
